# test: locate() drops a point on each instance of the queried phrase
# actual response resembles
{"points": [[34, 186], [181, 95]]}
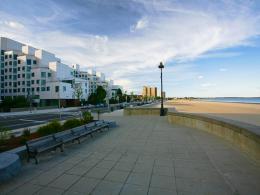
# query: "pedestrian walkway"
{"points": [[35, 111], [144, 155]]}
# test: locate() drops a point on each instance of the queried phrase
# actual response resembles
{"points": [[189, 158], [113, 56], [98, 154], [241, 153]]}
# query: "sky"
{"points": [[210, 48]]}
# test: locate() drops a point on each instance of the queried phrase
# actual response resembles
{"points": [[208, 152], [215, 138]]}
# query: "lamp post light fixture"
{"points": [[161, 66]]}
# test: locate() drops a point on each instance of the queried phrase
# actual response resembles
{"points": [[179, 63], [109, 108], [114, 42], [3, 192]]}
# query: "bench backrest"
{"points": [[77, 129], [39, 141], [62, 134]]}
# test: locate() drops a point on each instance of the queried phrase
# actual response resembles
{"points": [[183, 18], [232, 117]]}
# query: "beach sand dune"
{"points": [[248, 113]]}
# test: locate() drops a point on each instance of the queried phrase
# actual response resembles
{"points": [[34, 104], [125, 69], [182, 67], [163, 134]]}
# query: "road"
{"points": [[23, 121]]}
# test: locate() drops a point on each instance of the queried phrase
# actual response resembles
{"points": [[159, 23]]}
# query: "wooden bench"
{"points": [[42, 144], [50, 142], [66, 136]]}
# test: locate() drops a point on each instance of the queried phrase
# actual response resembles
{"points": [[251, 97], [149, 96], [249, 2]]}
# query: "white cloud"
{"points": [[206, 85], [223, 70], [173, 31], [14, 24], [141, 24]]}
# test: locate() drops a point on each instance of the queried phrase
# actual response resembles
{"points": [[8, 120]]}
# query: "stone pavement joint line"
{"points": [[144, 155]]}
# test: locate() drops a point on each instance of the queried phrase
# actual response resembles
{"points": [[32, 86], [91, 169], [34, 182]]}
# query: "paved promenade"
{"points": [[144, 155]]}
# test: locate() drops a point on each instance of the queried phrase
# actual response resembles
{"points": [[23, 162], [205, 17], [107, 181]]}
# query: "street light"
{"points": [[161, 66]]}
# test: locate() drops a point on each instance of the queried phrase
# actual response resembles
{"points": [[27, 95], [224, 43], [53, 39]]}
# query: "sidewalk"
{"points": [[144, 155], [53, 110]]}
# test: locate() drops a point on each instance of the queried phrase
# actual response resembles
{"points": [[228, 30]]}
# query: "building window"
{"points": [[18, 75], [43, 82], [10, 62], [2, 52], [19, 68], [15, 63], [10, 76], [18, 90], [15, 56], [23, 68], [28, 69], [34, 62], [49, 74], [6, 56], [6, 63], [14, 77], [18, 83], [29, 62], [42, 88], [64, 88], [48, 88], [23, 89], [43, 74], [23, 82], [38, 81], [19, 61], [28, 83], [33, 74], [32, 89], [32, 81], [10, 56], [10, 69], [28, 75], [38, 89], [56, 88], [23, 75]]}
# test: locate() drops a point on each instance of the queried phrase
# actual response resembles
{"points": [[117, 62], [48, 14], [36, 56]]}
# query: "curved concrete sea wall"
{"points": [[245, 136], [143, 111]]}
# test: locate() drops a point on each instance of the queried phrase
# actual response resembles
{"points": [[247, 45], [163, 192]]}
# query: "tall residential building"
{"points": [[149, 92], [40, 75]]}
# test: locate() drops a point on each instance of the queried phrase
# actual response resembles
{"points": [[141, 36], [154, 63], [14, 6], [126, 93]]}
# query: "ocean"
{"points": [[248, 100]]}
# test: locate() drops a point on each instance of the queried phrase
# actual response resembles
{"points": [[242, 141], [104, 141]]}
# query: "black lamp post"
{"points": [[161, 66]]}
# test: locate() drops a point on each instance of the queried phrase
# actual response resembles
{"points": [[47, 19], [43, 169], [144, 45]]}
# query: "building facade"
{"points": [[149, 92], [38, 74]]}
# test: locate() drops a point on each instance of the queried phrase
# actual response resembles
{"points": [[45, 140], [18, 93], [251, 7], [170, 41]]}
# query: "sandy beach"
{"points": [[248, 113]]}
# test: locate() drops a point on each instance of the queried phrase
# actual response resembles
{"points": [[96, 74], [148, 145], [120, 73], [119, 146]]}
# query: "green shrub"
{"points": [[26, 132], [4, 134], [53, 127], [87, 117], [71, 123]]}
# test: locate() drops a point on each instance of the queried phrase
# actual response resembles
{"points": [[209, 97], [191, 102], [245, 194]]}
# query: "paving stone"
{"points": [[107, 188], [117, 176], [162, 170], [64, 181], [139, 179], [130, 189], [85, 185], [26, 189], [98, 173], [78, 170], [107, 164], [160, 181], [160, 191], [50, 191]]}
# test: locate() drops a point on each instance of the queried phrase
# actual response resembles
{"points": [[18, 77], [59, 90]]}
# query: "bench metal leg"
{"points": [[36, 160]]}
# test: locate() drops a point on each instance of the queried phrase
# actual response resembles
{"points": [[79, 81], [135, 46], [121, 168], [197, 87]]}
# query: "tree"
{"points": [[119, 92], [98, 97], [101, 94], [78, 92]]}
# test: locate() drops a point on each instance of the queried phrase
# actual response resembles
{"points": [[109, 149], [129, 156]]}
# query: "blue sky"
{"points": [[210, 48]]}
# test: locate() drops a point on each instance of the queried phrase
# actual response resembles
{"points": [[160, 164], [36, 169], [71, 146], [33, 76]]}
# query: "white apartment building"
{"points": [[36, 73]]}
